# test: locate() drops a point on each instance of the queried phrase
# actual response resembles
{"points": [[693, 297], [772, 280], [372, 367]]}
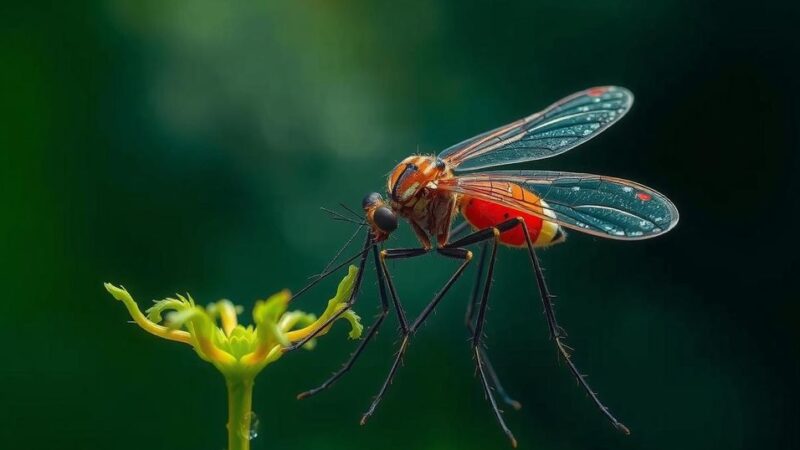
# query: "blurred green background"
{"points": [[188, 146]]}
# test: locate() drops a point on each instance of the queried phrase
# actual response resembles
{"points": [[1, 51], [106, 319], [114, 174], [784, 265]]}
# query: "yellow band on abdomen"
{"points": [[549, 229]]}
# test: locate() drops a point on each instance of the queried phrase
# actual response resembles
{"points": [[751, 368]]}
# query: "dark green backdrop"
{"points": [[187, 146]]}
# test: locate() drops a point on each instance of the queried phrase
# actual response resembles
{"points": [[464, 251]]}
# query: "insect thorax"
{"points": [[412, 176]]}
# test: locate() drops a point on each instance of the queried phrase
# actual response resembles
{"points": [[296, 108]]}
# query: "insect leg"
{"points": [[326, 273], [398, 253], [557, 333], [459, 229], [484, 234], [456, 253], [368, 243], [373, 330], [477, 334], [476, 288], [498, 386]]}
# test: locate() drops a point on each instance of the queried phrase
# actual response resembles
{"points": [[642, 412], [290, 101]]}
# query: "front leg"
{"points": [[350, 301], [328, 271], [373, 330]]}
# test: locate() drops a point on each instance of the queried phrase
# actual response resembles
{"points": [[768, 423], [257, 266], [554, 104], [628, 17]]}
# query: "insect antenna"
{"points": [[355, 214], [343, 247], [335, 215]]}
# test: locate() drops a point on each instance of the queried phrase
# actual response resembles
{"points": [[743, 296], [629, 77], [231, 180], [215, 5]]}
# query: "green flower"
{"points": [[239, 352]]}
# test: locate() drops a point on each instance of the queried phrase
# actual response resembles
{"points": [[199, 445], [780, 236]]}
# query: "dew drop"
{"points": [[254, 423]]}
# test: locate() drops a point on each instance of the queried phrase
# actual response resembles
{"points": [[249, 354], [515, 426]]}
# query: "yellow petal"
{"points": [[122, 295], [227, 316]]}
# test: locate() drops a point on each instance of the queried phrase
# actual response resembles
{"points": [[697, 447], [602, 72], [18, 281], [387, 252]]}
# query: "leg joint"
{"points": [[457, 253], [401, 253]]}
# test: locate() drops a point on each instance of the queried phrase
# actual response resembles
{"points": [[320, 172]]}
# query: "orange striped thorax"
{"points": [[413, 195], [412, 176]]}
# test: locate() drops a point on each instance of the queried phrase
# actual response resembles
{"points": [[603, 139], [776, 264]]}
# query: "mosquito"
{"points": [[526, 209]]}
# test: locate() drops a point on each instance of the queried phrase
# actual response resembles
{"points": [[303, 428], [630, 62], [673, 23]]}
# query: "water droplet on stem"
{"points": [[252, 433]]}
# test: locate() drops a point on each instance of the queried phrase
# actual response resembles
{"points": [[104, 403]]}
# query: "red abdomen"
{"points": [[482, 214]]}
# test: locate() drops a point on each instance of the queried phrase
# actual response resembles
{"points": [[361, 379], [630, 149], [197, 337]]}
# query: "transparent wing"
{"points": [[562, 126], [598, 205]]}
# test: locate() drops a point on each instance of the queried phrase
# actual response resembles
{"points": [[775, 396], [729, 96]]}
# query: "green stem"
{"points": [[240, 401]]}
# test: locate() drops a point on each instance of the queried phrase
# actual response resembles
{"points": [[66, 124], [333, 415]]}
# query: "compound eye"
{"points": [[385, 219], [370, 199]]}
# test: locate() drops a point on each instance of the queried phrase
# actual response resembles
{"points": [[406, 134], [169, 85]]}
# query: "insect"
{"points": [[526, 209]]}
